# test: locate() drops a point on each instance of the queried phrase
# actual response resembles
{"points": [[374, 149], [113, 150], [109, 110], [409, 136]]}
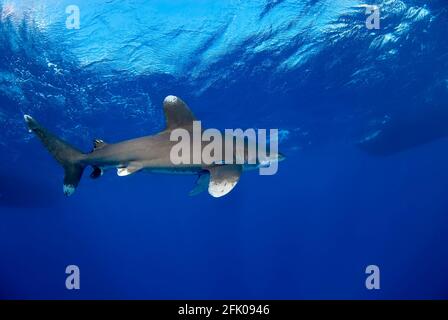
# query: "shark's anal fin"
{"points": [[96, 173], [201, 184], [223, 179], [177, 113], [129, 169]]}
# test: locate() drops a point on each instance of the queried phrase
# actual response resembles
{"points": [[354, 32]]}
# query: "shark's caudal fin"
{"points": [[68, 156]]}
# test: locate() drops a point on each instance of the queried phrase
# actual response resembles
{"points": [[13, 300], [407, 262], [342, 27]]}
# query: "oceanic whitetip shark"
{"points": [[149, 153]]}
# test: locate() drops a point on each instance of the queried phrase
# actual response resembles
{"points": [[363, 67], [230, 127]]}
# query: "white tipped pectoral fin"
{"points": [[220, 189], [130, 169], [223, 179]]}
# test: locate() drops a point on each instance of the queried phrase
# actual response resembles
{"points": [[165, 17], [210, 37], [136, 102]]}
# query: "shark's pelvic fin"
{"points": [[223, 179], [177, 113], [129, 169], [98, 144], [201, 184]]}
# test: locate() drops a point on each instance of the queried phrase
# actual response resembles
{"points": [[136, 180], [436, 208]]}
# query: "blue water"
{"points": [[310, 68]]}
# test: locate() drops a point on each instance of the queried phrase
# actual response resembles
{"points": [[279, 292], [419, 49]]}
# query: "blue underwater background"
{"points": [[310, 68]]}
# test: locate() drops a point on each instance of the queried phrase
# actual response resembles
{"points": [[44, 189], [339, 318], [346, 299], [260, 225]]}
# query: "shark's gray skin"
{"points": [[150, 153]]}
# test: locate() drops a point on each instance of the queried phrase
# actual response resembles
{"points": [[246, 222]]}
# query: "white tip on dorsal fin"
{"points": [[130, 169], [170, 99], [177, 113], [223, 178]]}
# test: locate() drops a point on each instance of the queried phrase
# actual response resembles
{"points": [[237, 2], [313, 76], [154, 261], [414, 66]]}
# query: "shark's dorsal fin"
{"points": [[129, 169], [177, 113], [223, 179], [98, 144]]}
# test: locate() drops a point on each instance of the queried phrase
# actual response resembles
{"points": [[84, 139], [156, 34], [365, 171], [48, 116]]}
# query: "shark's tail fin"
{"points": [[69, 157]]}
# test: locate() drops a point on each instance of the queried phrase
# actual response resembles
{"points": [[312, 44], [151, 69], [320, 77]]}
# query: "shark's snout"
{"points": [[281, 157]]}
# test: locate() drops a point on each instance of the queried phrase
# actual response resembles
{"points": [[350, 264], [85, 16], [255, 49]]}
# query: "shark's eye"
{"points": [[265, 163]]}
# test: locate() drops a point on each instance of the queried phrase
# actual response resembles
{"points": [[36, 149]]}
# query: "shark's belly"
{"points": [[174, 170]]}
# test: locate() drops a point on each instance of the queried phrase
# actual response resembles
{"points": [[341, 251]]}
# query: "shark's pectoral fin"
{"points": [[201, 184], [129, 169], [223, 179]]}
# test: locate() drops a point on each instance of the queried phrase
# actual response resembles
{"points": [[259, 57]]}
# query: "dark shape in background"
{"points": [[20, 192], [424, 121], [407, 131]]}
